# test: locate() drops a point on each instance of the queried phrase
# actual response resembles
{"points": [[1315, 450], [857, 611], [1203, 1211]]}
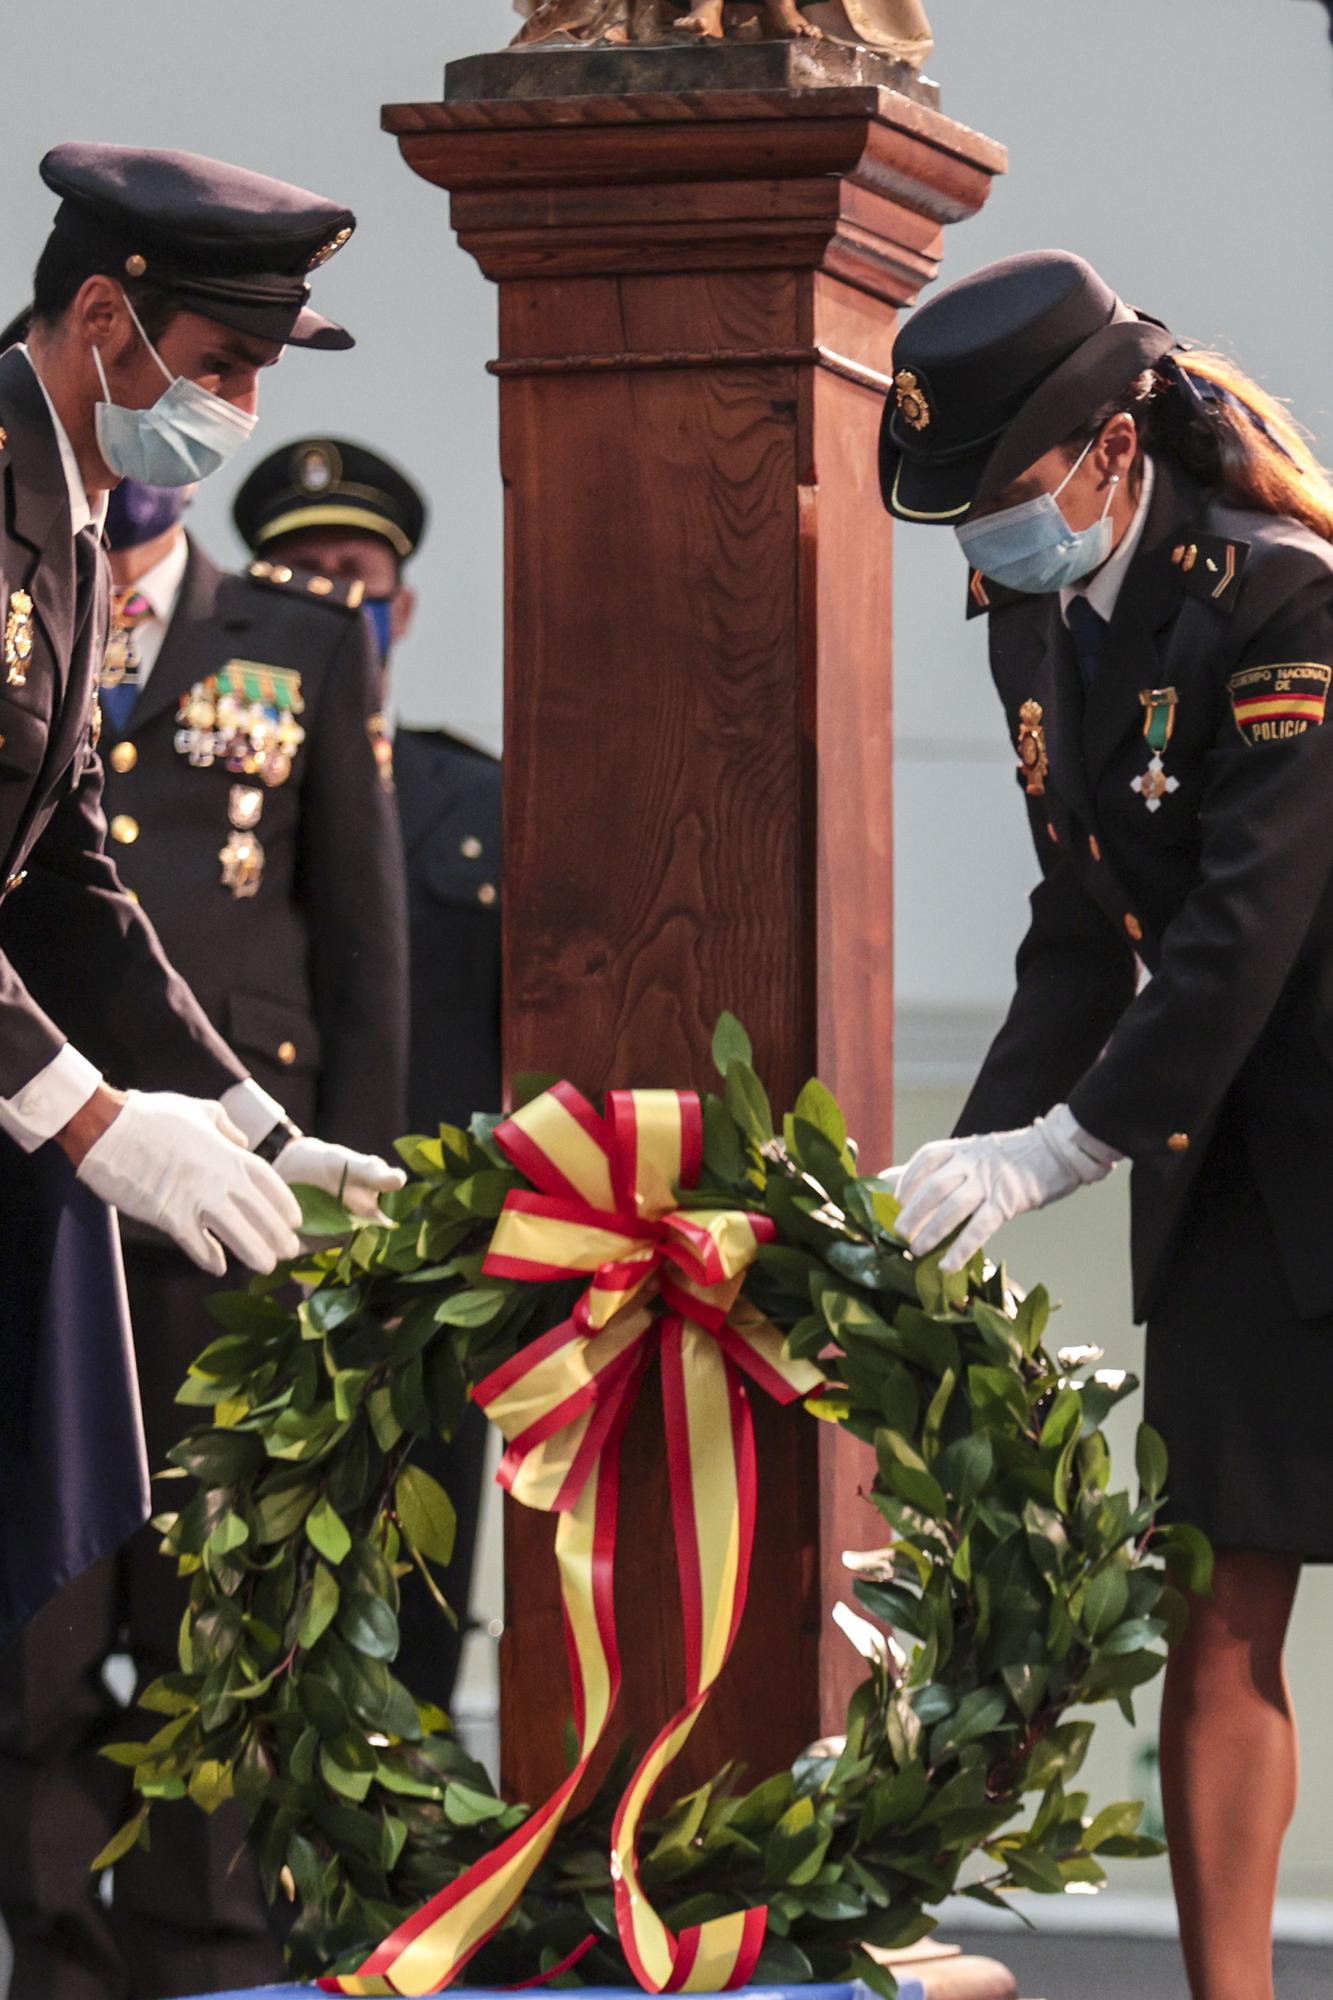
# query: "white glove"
{"points": [[356, 1179], [988, 1180], [180, 1164]]}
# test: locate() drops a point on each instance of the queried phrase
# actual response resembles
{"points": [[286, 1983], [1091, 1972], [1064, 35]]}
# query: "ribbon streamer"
{"points": [[604, 1203]]}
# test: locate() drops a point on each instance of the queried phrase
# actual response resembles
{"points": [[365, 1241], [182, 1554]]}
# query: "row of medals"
{"points": [[253, 741]]}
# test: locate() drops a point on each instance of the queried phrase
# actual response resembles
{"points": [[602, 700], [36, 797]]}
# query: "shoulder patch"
{"points": [[985, 595], [345, 593], [1272, 704], [1211, 567]]}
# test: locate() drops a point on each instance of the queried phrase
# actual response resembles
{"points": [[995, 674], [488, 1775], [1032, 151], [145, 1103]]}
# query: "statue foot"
{"points": [[786, 20], [704, 21]]}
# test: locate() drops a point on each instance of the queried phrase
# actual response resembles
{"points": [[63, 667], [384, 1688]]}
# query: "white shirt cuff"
{"points": [[252, 1109], [46, 1104]]}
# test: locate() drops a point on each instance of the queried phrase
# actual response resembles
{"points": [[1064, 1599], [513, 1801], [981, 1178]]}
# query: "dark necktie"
{"points": [[1087, 629]]}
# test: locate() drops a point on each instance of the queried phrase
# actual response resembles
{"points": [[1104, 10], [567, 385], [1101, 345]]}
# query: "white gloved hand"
{"points": [[180, 1164], [357, 1180], [988, 1180]]}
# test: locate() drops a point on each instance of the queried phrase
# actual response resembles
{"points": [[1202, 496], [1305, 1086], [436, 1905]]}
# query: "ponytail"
{"points": [[1199, 408]]}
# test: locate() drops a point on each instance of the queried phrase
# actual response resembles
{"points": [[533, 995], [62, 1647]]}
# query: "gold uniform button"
{"points": [[1179, 1142], [320, 586], [286, 1054], [124, 757], [470, 848], [1135, 928], [16, 880], [487, 893], [125, 829], [1094, 847], [280, 573]]}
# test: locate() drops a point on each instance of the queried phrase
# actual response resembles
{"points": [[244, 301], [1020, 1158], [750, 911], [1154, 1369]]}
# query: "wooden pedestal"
{"points": [[697, 303]]}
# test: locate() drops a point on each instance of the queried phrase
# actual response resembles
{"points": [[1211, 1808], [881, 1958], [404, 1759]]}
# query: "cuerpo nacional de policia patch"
{"points": [[1271, 704]]}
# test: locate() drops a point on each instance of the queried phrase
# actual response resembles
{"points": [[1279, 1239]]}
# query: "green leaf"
{"points": [[426, 1513], [1151, 1461], [747, 1101], [219, 1457], [731, 1044], [369, 1624], [471, 1308], [465, 1806], [1190, 1552], [817, 1105], [320, 1608], [327, 1532], [1105, 1600], [321, 1214], [1112, 1822], [120, 1843]]}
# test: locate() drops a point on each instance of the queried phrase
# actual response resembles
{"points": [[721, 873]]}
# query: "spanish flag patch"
{"points": [[1271, 704]]}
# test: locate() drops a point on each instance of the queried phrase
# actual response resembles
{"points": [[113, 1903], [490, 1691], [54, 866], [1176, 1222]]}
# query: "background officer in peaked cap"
{"points": [[161, 269], [330, 505], [1153, 543]]}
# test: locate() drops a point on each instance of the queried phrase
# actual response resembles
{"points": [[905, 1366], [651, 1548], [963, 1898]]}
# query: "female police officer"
{"points": [[1151, 539]]}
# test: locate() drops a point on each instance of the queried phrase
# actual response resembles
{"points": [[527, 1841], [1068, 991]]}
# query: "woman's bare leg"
{"points": [[1229, 1771]]}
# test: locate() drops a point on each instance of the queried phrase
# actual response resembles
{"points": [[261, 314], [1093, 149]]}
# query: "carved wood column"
{"points": [[697, 304]]}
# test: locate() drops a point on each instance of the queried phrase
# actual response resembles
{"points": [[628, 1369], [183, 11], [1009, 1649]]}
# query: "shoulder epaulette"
{"points": [[1210, 567], [985, 595], [345, 593]]}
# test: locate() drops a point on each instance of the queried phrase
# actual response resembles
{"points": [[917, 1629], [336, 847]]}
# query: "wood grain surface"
{"points": [[698, 717]]}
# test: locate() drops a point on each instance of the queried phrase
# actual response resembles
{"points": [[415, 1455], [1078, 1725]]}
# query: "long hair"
{"points": [[1199, 408]]}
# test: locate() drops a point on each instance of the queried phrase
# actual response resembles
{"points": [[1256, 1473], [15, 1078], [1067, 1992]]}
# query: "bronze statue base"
{"points": [[568, 69]]}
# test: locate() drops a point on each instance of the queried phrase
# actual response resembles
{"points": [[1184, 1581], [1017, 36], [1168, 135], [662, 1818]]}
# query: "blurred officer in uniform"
{"points": [[333, 507], [161, 268]]}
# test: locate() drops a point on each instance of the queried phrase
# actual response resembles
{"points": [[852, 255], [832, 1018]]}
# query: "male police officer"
{"points": [[160, 267], [293, 937], [335, 507]]}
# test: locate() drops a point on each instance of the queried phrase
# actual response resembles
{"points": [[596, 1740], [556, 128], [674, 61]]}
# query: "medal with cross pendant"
{"points": [[1154, 784]]}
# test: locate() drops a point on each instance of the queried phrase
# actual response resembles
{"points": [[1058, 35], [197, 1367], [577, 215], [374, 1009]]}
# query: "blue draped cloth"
{"points": [[73, 1476]]}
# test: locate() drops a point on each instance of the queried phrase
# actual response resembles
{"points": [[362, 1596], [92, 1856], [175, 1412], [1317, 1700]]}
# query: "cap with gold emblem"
{"points": [[325, 482], [995, 370], [236, 246]]}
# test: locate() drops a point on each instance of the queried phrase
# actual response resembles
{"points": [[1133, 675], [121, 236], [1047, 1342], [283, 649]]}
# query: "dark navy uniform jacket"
{"points": [[307, 977], [72, 1476], [1225, 892], [449, 806]]}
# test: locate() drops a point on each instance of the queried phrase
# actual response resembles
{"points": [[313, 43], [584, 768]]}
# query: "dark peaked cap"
{"points": [[995, 370], [230, 244], [327, 482]]}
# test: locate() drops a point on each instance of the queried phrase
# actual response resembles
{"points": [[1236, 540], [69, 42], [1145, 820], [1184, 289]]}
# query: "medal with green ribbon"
{"points": [[1153, 785]]}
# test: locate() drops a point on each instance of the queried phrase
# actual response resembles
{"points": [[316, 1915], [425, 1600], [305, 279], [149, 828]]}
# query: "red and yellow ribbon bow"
{"points": [[605, 1204]]}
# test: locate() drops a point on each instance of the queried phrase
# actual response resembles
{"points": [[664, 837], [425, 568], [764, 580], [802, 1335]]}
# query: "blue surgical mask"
{"points": [[379, 610], [1031, 547], [186, 434]]}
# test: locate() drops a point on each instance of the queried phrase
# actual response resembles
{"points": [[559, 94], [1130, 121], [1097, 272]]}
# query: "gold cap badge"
{"points": [[316, 467], [912, 404], [329, 249]]}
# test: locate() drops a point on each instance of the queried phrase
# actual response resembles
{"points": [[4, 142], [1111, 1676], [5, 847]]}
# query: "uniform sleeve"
{"points": [[1265, 866], [1075, 977], [82, 954], [351, 883]]}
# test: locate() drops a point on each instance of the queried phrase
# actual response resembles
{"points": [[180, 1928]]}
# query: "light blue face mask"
{"points": [[186, 434], [1032, 547]]}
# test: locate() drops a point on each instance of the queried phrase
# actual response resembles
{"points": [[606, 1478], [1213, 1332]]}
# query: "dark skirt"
{"points": [[1238, 1384]]}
